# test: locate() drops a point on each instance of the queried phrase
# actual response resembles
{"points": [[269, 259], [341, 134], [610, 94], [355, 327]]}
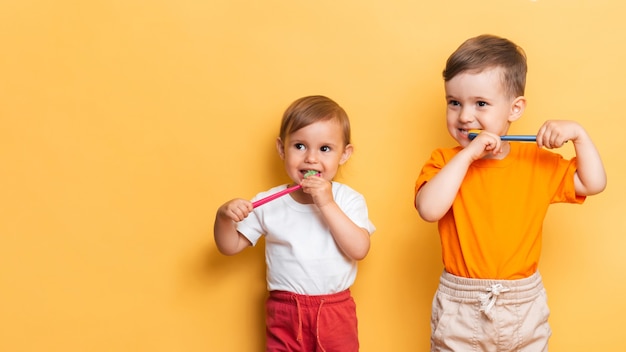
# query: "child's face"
{"points": [[318, 146], [479, 101]]}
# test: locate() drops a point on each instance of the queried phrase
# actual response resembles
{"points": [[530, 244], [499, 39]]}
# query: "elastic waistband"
{"points": [[464, 289], [306, 300]]}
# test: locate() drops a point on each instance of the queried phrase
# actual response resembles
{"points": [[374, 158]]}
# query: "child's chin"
{"points": [[462, 139]]}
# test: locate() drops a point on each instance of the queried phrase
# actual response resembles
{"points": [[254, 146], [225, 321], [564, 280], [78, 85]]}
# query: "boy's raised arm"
{"points": [[590, 177]]}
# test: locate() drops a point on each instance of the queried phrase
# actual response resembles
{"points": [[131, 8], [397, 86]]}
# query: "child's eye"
{"points": [[481, 103], [454, 103], [325, 148], [299, 146]]}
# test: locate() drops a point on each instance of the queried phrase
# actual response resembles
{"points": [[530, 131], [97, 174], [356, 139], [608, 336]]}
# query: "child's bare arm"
{"points": [[354, 241], [435, 197], [228, 240], [590, 177]]}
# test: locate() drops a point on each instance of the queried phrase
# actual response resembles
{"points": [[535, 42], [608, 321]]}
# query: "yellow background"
{"points": [[124, 124]]}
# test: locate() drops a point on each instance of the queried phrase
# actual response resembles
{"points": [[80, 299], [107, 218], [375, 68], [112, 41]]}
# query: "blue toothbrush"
{"points": [[512, 138]]}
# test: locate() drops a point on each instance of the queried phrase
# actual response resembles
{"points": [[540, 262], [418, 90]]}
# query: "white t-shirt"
{"points": [[300, 252]]}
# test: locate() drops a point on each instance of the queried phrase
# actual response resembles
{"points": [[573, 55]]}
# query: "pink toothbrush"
{"points": [[262, 201]]}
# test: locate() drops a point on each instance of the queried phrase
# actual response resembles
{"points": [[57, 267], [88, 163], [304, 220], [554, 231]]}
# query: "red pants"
{"points": [[325, 323]]}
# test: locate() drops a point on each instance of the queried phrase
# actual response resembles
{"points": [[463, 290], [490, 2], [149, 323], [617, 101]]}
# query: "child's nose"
{"points": [[466, 115], [311, 156]]}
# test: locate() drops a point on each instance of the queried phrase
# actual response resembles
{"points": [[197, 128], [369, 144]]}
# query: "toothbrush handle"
{"points": [[512, 138], [262, 201], [519, 138]]}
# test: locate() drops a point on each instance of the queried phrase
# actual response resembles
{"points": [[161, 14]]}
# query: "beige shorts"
{"points": [[490, 315]]}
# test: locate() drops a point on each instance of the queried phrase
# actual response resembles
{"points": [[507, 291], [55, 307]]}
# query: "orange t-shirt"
{"points": [[493, 229]]}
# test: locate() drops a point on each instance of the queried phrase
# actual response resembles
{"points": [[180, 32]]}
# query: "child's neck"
{"points": [[301, 197]]}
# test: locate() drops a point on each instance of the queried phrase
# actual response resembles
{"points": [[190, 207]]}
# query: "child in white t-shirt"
{"points": [[314, 236]]}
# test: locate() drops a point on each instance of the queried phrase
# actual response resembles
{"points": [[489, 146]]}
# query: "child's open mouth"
{"points": [[469, 133], [308, 173]]}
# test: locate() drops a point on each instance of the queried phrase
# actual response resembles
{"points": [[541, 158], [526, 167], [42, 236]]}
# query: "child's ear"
{"points": [[347, 151], [281, 148], [517, 108]]}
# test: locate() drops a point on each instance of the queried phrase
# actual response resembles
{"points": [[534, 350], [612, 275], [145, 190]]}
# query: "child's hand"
{"points": [[554, 133], [485, 143], [236, 209], [319, 189]]}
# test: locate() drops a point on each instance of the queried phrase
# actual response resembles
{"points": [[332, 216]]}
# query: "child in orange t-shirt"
{"points": [[490, 197]]}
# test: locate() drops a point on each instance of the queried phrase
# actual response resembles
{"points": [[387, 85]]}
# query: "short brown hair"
{"points": [[310, 109], [490, 51]]}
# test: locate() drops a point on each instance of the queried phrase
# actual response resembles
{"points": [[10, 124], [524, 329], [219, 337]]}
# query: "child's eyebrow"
{"points": [[474, 97]]}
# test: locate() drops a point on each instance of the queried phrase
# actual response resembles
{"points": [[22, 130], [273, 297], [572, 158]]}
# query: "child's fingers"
{"points": [[310, 182], [488, 142], [237, 209], [319, 189], [239, 213], [553, 134]]}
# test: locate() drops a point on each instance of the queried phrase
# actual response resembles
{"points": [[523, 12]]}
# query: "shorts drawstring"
{"points": [[317, 325], [488, 300], [317, 321], [299, 332]]}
